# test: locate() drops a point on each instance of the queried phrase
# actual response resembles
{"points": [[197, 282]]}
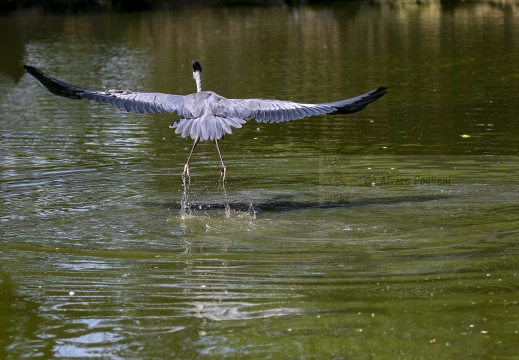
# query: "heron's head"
{"points": [[196, 66], [197, 75]]}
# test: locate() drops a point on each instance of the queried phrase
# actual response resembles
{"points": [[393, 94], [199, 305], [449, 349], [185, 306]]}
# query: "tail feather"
{"points": [[55, 86]]}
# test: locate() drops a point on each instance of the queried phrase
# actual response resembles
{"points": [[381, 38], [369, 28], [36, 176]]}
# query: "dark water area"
{"points": [[118, 6], [389, 233]]}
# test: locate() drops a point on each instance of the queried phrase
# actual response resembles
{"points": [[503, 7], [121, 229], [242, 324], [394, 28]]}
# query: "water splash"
{"points": [[252, 210], [227, 208], [190, 209], [185, 209]]}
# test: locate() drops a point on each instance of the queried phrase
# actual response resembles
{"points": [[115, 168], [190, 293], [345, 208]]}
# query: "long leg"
{"points": [[224, 169], [186, 167]]}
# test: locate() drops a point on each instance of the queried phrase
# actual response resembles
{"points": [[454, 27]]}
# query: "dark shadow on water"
{"points": [[280, 204]]}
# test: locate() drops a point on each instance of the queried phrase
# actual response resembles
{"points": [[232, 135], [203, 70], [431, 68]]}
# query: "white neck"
{"points": [[197, 75]]}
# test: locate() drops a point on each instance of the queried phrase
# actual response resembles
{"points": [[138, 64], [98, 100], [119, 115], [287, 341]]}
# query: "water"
{"points": [[390, 233]]}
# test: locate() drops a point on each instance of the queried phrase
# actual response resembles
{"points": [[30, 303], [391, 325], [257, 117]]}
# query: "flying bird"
{"points": [[205, 114]]}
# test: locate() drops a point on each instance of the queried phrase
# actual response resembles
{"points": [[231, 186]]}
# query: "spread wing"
{"points": [[206, 114], [264, 110], [154, 103]]}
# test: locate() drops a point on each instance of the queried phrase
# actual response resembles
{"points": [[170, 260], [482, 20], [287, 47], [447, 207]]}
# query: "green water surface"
{"points": [[391, 233]]}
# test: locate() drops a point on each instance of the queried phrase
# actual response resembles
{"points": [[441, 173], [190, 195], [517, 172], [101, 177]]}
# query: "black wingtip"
{"points": [[55, 86], [382, 89], [196, 66], [350, 106], [31, 70]]}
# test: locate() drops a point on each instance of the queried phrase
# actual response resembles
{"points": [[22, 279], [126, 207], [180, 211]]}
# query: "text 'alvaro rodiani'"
{"points": [[406, 181]]}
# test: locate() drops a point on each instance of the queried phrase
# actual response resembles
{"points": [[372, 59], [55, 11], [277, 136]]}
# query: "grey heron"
{"points": [[205, 114]]}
